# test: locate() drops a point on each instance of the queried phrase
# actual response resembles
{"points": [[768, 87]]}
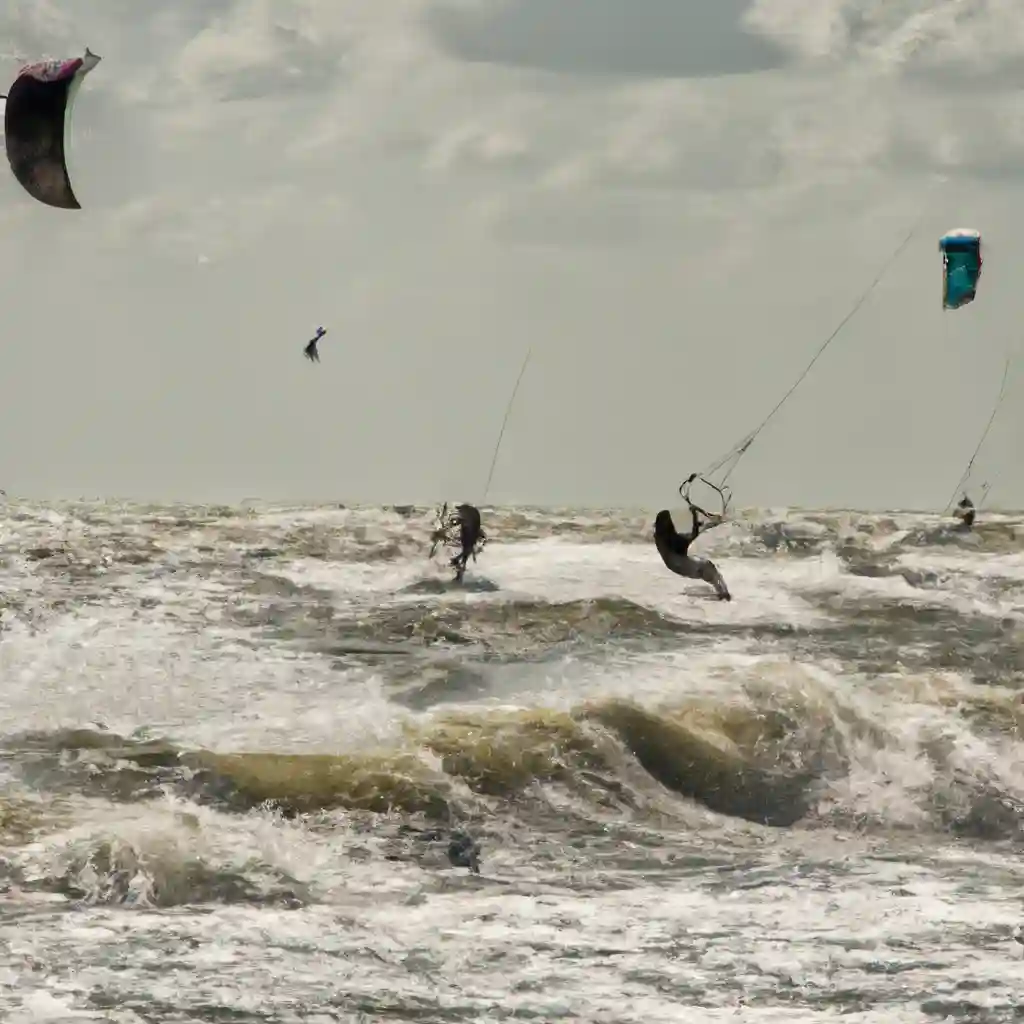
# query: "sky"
{"points": [[671, 203]]}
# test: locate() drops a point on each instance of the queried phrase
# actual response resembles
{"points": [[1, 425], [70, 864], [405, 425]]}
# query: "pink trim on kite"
{"points": [[52, 70]]}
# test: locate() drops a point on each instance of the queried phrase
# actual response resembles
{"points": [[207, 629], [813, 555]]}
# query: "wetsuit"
{"points": [[312, 353], [966, 512], [470, 535], [674, 548]]}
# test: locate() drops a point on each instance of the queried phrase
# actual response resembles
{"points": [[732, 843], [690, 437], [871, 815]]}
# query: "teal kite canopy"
{"points": [[961, 266]]}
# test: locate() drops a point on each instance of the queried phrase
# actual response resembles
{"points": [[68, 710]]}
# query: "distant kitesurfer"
{"points": [[464, 851], [966, 512], [674, 548], [311, 350], [471, 538]]}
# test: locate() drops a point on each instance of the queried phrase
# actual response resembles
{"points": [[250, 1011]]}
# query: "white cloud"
{"points": [[272, 90], [977, 36]]}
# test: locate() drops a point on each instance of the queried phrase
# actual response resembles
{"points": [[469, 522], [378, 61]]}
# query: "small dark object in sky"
{"points": [[310, 351]]}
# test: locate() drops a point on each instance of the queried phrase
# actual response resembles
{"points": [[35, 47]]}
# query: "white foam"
{"points": [[807, 918]]}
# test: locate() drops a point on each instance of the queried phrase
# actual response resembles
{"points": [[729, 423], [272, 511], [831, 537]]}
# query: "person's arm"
{"points": [[696, 523]]}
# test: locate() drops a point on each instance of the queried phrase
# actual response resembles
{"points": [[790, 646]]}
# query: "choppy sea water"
{"points": [[237, 746]]}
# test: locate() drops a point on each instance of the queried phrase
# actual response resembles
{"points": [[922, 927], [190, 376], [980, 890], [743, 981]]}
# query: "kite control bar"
{"points": [[723, 492], [440, 534]]}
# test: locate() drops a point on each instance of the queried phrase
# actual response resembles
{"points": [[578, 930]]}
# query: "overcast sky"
{"points": [[673, 201]]}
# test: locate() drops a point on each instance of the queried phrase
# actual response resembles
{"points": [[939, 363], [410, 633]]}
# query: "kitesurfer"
{"points": [[464, 851], [310, 350], [966, 512], [471, 538], [674, 548]]}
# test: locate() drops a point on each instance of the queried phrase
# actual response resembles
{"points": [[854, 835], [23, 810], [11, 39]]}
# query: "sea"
{"points": [[267, 765]]}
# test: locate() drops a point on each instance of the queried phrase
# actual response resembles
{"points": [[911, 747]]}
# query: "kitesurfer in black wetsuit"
{"points": [[966, 512], [674, 548], [471, 538], [311, 352]]}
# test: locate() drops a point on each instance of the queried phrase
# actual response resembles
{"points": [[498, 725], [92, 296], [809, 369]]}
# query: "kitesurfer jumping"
{"points": [[966, 512], [310, 350], [674, 548]]}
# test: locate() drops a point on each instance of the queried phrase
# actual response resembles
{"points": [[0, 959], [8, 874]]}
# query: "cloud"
{"points": [[977, 37], [259, 50], [222, 223], [608, 38], [217, 98]]}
